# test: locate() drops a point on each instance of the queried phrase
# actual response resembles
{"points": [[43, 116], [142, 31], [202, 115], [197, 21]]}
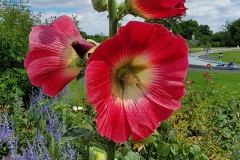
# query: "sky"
{"points": [[213, 13]]}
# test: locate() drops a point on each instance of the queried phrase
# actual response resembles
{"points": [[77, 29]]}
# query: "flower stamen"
{"points": [[130, 79], [126, 76]]}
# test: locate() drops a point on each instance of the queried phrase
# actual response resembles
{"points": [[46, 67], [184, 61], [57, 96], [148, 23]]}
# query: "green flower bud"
{"points": [[100, 5], [97, 154]]}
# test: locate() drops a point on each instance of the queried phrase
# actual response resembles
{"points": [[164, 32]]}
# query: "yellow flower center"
{"points": [[127, 76]]}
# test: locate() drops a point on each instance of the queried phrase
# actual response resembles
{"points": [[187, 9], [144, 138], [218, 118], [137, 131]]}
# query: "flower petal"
{"points": [[111, 118], [66, 26], [160, 9]]}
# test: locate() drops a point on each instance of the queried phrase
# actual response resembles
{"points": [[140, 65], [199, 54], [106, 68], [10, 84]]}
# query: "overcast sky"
{"points": [[211, 12]]}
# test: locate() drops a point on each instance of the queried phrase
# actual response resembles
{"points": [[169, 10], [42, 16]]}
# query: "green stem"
{"points": [[111, 149], [113, 20]]}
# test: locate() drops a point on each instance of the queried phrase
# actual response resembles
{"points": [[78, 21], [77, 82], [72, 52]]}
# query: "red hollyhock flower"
{"points": [[55, 55], [154, 9], [135, 80]]}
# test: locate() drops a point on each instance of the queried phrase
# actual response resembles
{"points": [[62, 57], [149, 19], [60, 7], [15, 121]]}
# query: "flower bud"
{"points": [[100, 5], [97, 154]]}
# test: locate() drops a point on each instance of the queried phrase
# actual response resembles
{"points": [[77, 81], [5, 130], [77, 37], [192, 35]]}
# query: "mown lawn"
{"points": [[195, 50], [229, 82], [228, 56]]}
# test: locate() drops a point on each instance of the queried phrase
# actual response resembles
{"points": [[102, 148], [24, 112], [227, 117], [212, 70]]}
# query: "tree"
{"points": [[170, 23], [234, 30], [205, 30], [188, 28], [16, 21], [217, 39], [227, 39]]}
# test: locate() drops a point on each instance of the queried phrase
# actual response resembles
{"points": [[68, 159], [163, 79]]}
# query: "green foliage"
{"points": [[97, 37], [16, 21], [188, 28], [234, 30]]}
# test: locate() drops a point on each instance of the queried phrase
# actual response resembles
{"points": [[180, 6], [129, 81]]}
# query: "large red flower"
{"points": [[135, 80], [55, 54], [154, 9]]}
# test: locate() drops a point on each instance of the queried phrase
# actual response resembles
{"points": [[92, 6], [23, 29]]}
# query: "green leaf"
{"points": [[78, 135], [118, 155], [197, 150], [147, 140], [164, 126], [174, 148], [81, 74], [186, 149], [163, 149], [191, 156], [97, 154], [132, 156], [77, 63], [171, 136]]}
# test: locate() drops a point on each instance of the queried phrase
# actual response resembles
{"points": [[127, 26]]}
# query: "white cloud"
{"points": [[213, 13]]}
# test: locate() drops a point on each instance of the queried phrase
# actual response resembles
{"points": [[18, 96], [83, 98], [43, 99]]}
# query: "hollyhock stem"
{"points": [[111, 148], [113, 21]]}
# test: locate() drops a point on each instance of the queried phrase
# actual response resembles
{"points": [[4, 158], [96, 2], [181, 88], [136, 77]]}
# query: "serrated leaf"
{"points": [[163, 149], [132, 156], [78, 135], [118, 155]]}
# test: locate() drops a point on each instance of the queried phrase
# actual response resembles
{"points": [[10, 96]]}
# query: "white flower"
{"points": [[75, 108], [80, 108]]}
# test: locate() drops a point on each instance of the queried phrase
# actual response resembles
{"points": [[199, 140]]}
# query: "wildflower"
{"points": [[75, 108], [56, 54], [155, 9], [135, 80], [208, 65], [189, 82], [80, 108], [207, 76]]}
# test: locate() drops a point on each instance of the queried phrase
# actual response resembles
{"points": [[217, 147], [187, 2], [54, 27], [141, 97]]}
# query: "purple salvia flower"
{"points": [[52, 125], [70, 153], [5, 131]]}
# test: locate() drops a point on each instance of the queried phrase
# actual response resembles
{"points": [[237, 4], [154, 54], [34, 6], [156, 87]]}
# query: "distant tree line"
{"points": [[228, 36]]}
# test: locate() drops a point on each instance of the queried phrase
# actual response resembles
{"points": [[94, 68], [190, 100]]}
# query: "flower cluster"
{"points": [[133, 76]]}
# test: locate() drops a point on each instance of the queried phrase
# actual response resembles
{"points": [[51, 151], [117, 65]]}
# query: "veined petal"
{"points": [[136, 75], [52, 61], [66, 26], [154, 9], [111, 118]]}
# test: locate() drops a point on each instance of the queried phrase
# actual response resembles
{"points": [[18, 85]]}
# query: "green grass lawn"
{"points": [[228, 56], [194, 50], [229, 82]]}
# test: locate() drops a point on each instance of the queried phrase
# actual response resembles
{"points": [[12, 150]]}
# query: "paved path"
{"points": [[198, 62]]}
